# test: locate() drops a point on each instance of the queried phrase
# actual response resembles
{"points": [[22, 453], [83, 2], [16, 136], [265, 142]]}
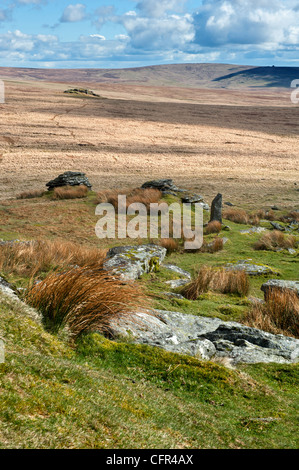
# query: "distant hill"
{"points": [[177, 75]]}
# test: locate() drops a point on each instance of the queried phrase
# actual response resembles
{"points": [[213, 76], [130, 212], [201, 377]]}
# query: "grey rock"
{"points": [[176, 269], [250, 268], [192, 198], [229, 204], [205, 338], [253, 230], [130, 262], [7, 289], [174, 295], [69, 178], [175, 283], [216, 209], [164, 185], [277, 226], [292, 251], [281, 285]]}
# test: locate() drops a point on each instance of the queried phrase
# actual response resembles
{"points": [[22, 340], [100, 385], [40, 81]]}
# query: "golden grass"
{"points": [[70, 192], [212, 247], [170, 244], [199, 285], [278, 315], [32, 258], [31, 194], [238, 216], [220, 280], [84, 299], [213, 227], [272, 240], [144, 196]]}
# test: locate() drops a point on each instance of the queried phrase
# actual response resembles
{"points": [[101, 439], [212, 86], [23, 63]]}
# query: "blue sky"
{"points": [[132, 33]]}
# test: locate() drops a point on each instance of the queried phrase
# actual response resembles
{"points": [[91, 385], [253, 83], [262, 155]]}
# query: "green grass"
{"points": [[106, 394], [99, 393]]}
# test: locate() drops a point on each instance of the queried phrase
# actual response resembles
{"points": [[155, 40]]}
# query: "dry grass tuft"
{"points": [[84, 299], [31, 194], [220, 280], [200, 284], [231, 282], [238, 216], [213, 227], [70, 192], [291, 216], [32, 258], [272, 240], [278, 315], [145, 196], [170, 244]]}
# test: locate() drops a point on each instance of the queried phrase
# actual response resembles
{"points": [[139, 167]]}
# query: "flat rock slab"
{"points": [[131, 262], [281, 285], [253, 230], [176, 269], [205, 338], [250, 268]]}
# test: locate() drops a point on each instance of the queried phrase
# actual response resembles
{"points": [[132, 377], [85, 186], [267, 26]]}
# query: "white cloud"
{"points": [[73, 13], [157, 8]]}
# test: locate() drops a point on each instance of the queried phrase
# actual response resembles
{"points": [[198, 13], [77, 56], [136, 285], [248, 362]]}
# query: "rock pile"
{"points": [[69, 178]]}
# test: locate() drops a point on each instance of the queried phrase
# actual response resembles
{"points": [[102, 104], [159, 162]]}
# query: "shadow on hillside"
{"points": [[271, 76]]}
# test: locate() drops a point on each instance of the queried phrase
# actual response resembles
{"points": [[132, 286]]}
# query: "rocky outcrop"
{"points": [[69, 178], [130, 262], [205, 338], [281, 285], [166, 186], [250, 268]]}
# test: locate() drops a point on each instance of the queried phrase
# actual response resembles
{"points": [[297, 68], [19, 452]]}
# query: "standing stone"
{"points": [[216, 209]]}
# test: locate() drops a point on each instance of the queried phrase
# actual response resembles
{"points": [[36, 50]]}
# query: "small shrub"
{"points": [[278, 315], [70, 192], [170, 244], [238, 216], [272, 240], [31, 194], [213, 227], [84, 299]]}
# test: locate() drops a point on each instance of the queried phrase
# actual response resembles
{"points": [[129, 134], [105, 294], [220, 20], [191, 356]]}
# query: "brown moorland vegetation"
{"points": [[278, 315], [84, 299]]}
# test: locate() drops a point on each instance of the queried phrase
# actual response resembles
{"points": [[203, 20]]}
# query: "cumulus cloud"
{"points": [[157, 8], [158, 33], [73, 13], [237, 22]]}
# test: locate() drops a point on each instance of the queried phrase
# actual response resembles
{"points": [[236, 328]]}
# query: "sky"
{"points": [[135, 33]]}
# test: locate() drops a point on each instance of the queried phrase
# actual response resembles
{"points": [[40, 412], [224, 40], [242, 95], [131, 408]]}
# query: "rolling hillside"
{"points": [[181, 75]]}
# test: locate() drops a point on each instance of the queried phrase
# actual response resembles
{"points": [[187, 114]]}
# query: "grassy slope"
{"points": [[105, 394]]}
